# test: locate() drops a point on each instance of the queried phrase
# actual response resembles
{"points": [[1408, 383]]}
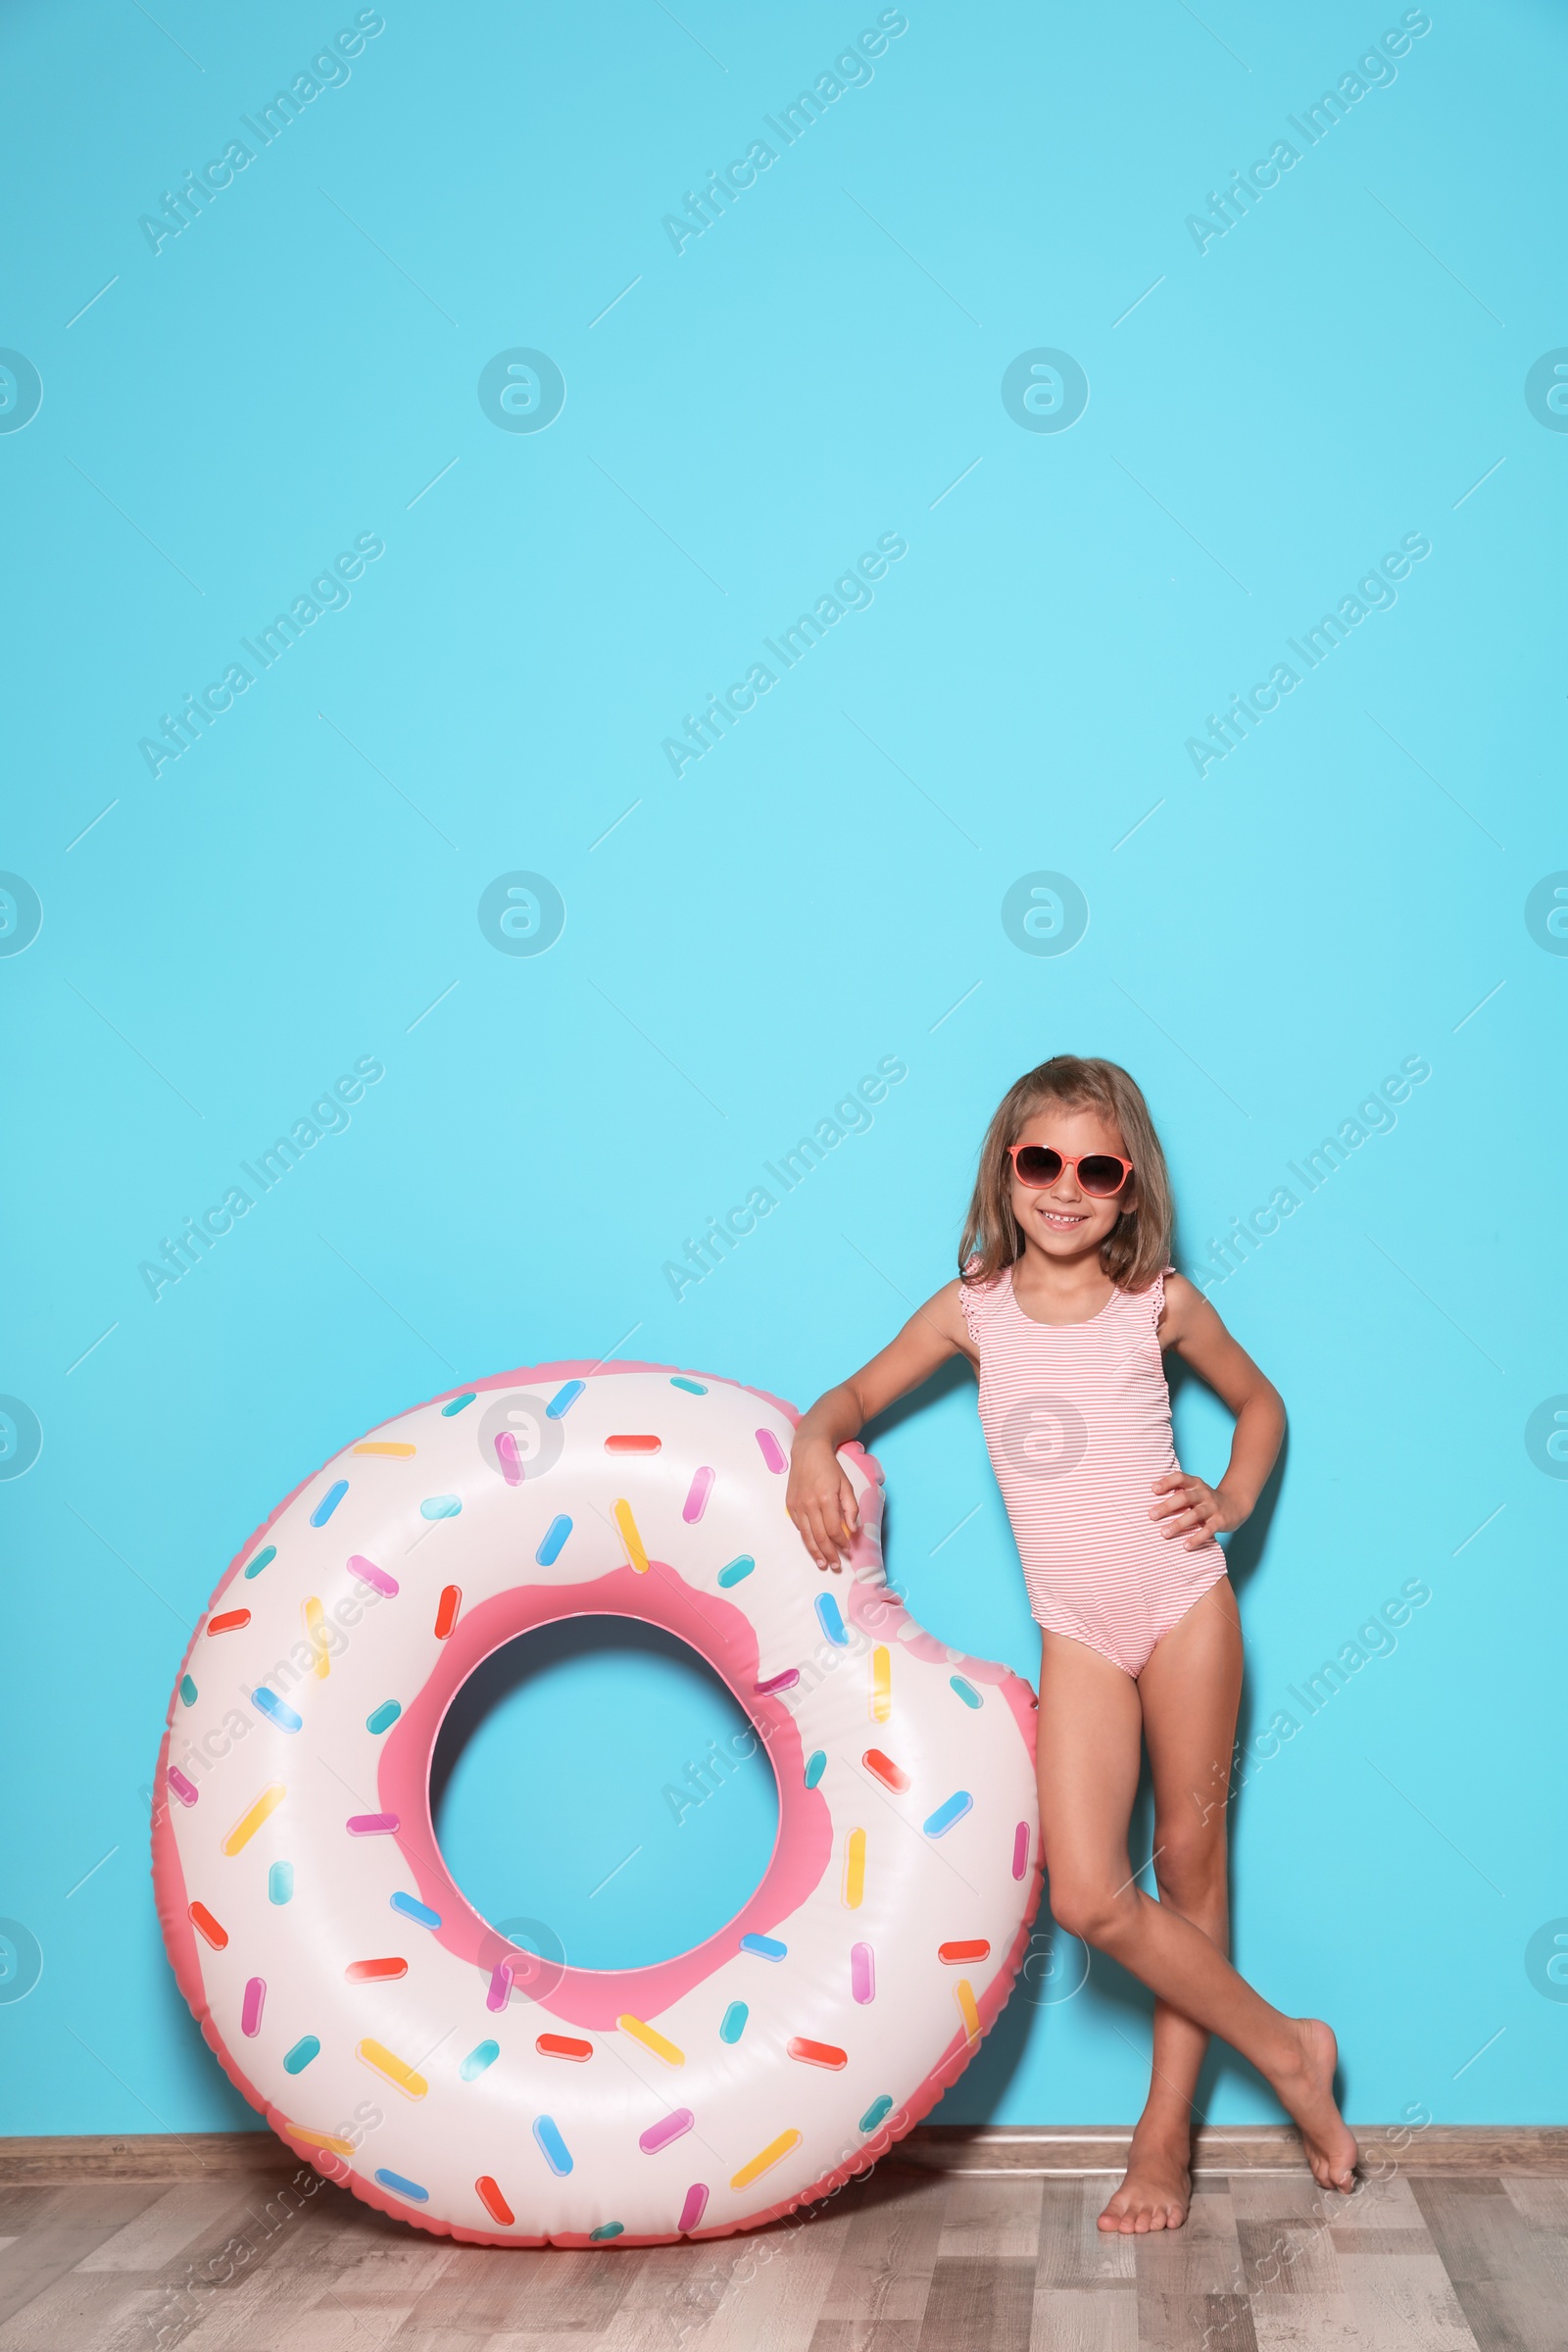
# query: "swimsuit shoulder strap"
{"points": [[980, 1301]]}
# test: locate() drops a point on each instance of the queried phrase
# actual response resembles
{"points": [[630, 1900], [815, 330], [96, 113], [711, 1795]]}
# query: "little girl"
{"points": [[1065, 1303]]}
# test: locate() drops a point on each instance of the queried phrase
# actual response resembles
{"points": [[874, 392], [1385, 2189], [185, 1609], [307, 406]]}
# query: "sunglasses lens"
{"points": [[1100, 1175], [1037, 1164]]}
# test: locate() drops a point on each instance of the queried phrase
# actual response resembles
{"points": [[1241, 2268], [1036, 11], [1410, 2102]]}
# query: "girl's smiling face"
{"points": [[1062, 1219]]}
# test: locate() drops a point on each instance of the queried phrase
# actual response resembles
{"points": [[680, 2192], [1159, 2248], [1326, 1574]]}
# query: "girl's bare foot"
{"points": [[1156, 2186], [1307, 2092]]}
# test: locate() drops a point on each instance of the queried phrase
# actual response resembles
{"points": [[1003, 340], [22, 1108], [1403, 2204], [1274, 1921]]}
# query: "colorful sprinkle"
{"points": [[483, 2056], [854, 1870], [564, 1400], [863, 1973], [250, 2014], [831, 1620], [280, 1883], [391, 1447], [877, 2113], [507, 1456], [401, 2186], [446, 1610], [696, 2205], [778, 1682], [738, 1571], [551, 2147], [441, 1507], [458, 1404], [251, 1820], [697, 1493], [881, 1684], [892, 1776], [630, 1537], [495, 2204], [315, 1635], [370, 1574], [764, 2160], [563, 2045], [632, 1445], [957, 1955], [766, 1947], [732, 2025], [955, 1808], [187, 1690], [396, 2071], [652, 2040], [185, 1791], [500, 1993], [671, 2126], [817, 2053], [963, 1994], [1020, 1850], [693, 1387], [419, 1912], [384, 1716], [329, 1501], [264, 1559], [374, 1972], [372, 1825], [317, 2139], [230, 1622], [771, 1452], [604, 2230], [296, 2060], [816, 1766], [202, 1920], [278, 1709], [555, 1536], [967, 1691]]}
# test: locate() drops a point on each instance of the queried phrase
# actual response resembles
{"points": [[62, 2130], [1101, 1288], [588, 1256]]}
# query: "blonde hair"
{"points": [[1138, 1247]]}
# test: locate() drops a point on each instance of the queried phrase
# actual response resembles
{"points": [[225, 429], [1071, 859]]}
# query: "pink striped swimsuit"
{"points": [[1077, 1424]]}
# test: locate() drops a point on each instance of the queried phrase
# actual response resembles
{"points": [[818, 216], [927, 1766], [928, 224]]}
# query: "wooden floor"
{"points": [[909, 2261]]}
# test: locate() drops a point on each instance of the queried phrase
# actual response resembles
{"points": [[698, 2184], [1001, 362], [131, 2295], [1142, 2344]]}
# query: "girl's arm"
{"points": [[821, 1498], [1192, 1508]]}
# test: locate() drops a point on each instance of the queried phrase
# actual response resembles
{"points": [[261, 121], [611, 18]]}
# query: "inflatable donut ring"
{"points": [[394, 2039]]}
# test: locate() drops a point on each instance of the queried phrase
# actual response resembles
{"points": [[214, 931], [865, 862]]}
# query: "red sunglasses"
{"points": [[1100, 1174]]}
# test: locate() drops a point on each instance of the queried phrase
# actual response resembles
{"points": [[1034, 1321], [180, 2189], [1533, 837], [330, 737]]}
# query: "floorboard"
{"points": [[979, 2300], [878, 2296], [908, 2260]]}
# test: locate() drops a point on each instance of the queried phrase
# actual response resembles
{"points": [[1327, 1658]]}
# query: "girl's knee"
{"points": [[1090, 1909], [1190, 1866]]}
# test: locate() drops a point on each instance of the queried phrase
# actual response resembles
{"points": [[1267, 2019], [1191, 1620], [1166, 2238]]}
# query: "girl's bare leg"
{"points": [[1089, 1733], [1188, 1692]]}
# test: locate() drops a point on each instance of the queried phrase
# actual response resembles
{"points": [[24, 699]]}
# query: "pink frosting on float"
{"points": [[179, 1935], [724, 1637]]}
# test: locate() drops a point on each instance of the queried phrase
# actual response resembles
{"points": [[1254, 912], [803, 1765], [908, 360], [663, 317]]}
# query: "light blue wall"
{"points": [[1267, 416]]}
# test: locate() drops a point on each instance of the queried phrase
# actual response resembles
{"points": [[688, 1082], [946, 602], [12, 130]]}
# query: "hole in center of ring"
{"points": [[600, 1797]]}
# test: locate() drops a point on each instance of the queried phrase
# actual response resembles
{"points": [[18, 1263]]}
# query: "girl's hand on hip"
{"points": [[821, 1502], [1193, 1509]]}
